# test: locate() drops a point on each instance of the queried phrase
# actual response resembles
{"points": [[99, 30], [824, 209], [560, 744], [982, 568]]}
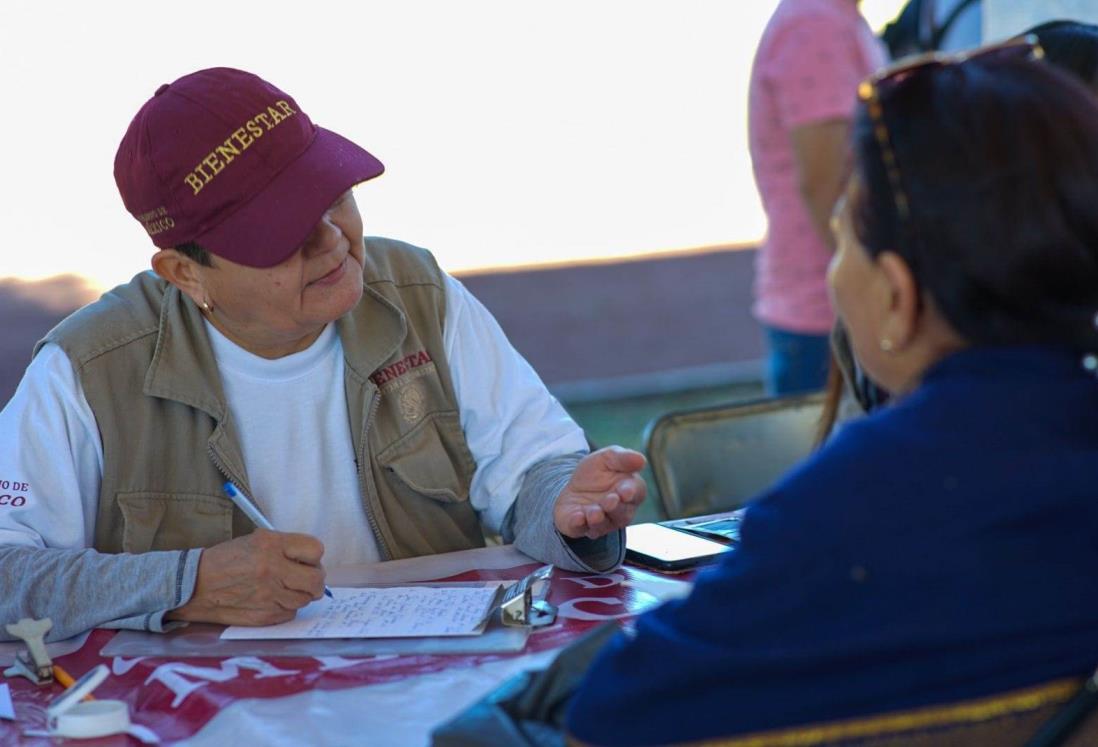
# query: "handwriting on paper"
{"points": [[384, 612]]}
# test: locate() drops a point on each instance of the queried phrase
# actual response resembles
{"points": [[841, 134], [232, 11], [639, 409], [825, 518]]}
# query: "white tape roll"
{"points": [[93, 718]]}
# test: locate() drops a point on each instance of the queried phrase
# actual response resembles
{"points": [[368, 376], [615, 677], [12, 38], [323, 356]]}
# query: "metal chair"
{"points": [[717, 458]]}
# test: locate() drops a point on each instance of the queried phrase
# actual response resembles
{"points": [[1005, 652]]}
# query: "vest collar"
{"points": [[184, 369], [183, 366], [371, 332]]}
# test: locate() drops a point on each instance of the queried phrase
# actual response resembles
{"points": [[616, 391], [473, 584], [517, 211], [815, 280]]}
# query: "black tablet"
{"points": [[666, 549]]}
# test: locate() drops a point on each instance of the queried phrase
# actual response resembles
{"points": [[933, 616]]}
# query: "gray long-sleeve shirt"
{"points": [[83, 589], [49, 448]]}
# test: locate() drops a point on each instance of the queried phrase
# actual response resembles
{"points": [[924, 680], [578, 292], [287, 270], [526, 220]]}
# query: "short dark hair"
{"points": [[999, 161], [1071, 45], [194, 251]]}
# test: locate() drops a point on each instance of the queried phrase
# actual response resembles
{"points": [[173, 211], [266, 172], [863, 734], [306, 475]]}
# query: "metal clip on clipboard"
{"points": [[525, 602]]}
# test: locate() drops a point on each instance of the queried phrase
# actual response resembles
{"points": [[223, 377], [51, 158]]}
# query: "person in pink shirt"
{"points": [[810, 60]]}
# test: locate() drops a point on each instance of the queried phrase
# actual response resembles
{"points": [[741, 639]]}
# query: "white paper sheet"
{"points": [[7, 710], [384, 612]]}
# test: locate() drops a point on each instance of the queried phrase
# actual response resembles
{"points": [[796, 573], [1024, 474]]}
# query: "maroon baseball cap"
{"points": [[222, 158]]}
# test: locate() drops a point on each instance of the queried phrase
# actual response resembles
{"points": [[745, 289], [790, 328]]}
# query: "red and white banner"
{"points": [[176, 698]]}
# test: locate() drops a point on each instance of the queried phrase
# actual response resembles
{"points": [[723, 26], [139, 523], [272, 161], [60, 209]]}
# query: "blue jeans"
{"points": [[796, 362]]}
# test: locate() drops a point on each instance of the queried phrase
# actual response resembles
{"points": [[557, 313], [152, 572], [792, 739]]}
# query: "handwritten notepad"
{"points": [[384, 612]]}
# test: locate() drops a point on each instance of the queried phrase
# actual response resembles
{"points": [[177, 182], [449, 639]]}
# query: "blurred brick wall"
{"points": [[28, 310], [631, 317], [575, 323]]}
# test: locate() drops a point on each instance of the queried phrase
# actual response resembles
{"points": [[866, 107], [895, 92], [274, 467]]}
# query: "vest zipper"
{"points": [[366, 484], [226, 474]]}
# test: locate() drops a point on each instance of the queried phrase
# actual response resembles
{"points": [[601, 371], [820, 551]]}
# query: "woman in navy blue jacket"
{"points": [[945, 547]]}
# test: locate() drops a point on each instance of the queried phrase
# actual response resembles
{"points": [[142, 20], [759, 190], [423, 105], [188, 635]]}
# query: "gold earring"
{"points": [[207, 307], [886, 345]]}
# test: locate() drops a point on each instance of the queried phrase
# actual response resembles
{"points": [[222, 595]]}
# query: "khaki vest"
{"points": [[143, 359]]}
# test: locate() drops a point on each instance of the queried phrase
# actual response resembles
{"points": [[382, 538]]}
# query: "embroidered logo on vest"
{"points": [[413, 402], [403, 379], [404, 366]]}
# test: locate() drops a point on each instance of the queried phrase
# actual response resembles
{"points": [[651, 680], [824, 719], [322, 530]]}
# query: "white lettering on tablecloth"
{"points": [[328, 663], [121, 666], [604, 581], [568, 609], [170, 675]]}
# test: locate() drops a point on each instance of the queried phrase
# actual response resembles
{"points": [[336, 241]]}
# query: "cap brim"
{"points": [[272, 225]]}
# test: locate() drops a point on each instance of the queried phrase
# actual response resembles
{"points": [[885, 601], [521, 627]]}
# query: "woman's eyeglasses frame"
{"points": [[869, 93]]}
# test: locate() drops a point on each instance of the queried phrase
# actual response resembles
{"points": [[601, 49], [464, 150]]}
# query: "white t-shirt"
{"points": [[293, 429]]}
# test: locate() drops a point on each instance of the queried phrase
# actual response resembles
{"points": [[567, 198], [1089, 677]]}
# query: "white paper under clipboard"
{"points": [[198, 640], [384, 611]]}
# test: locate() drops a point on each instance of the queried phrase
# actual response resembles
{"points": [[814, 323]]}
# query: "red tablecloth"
{"points": [[176, 698]]}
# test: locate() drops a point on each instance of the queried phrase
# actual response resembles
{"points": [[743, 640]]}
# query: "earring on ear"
{"points": [[207, 307], [886, 345]]}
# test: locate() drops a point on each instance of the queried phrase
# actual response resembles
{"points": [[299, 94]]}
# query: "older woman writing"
{"points": [[940, 549], [371, 407]]}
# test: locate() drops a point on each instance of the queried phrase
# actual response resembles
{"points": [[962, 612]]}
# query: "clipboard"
{"points": [[505, 632]]}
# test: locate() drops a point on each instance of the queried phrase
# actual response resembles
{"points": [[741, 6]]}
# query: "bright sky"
{"points": [[512, 132]]}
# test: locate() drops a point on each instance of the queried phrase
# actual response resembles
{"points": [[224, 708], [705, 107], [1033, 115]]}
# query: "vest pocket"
{"points": [[432, 459], [173, 521]]}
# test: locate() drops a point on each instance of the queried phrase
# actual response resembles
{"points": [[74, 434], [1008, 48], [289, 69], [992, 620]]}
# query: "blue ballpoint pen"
{"points": [[236, 495]]}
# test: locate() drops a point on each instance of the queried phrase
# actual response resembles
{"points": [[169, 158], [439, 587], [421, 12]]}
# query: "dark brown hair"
{"points": [[999, 161], [195, 252]]}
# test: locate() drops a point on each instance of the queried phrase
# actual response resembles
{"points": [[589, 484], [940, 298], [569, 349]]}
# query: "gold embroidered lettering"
{"points": [[195, 181], [241, 136], [159, 212], [214, 163], [159, 226], [226, 152]]}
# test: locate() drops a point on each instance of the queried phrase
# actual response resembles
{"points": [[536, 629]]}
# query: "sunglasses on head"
{"points": [[892, 77]]}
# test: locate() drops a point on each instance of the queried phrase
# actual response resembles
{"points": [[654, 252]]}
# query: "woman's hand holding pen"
{"points": [[262, 578]]}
